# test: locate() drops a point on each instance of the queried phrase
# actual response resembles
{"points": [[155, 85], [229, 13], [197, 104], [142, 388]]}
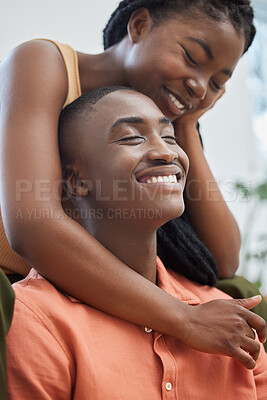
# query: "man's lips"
{"points": [[162, 174]]}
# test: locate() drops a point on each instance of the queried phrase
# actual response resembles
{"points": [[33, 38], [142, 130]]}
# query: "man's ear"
{"points": [[73, 185], [139, 24]]}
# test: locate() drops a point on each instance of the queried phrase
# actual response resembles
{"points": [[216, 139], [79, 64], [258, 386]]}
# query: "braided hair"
{"points": [[238, 12]]}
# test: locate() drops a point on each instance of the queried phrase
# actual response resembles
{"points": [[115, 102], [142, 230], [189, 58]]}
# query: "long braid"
{"points": [[238, 12], [180, 249]]}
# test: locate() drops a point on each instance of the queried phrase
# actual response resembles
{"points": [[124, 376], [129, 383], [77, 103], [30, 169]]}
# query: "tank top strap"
{"points": [[71, 62]]}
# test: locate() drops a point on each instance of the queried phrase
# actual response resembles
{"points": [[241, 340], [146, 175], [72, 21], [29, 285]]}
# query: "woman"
{"points": [[181, 54]]}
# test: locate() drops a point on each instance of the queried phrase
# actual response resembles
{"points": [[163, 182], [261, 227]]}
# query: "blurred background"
{"points": [[234, 132]]}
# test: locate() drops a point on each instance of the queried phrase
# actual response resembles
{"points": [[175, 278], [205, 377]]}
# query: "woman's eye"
{"points": [[170, 139], [190, 58], [217, 87], [133, 139]]}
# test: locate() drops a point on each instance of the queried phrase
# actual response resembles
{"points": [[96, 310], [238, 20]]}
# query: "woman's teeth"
{"points": [[161, 179], [176, 102]]}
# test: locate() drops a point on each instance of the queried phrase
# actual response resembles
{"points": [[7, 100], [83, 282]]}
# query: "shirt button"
{"points": [[148, 330], [168, 386]]}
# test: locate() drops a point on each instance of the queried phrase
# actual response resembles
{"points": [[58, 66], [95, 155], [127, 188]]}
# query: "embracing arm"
{"points": [[208, 211], [32, 92]]}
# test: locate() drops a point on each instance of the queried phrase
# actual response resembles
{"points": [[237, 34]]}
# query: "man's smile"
{"points": [[173, 175]]}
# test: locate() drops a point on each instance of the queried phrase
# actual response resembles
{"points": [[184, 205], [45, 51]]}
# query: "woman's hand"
{"points": [[192, 117], [226, 327]]}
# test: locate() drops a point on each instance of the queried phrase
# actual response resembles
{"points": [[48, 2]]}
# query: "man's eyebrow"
{"points": [[136, 120], [209, 53], [165, 121], [127, 120]]}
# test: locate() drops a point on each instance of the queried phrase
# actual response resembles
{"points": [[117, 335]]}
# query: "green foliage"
{"points": [[258, 197], [244, 189], [261, 191]]}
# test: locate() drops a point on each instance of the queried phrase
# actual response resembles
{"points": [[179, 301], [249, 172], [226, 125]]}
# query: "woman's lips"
{"points": [[173, 104]]}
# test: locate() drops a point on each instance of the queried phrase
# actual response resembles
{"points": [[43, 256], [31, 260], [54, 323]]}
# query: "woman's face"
{"points": [[182, 63]]}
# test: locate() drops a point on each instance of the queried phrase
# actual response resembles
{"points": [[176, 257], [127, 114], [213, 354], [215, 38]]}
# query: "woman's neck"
{"points": [[104, 69]]}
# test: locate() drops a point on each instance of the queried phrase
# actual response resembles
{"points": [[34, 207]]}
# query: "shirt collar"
{"points": [[170, 282], [175, 284]]}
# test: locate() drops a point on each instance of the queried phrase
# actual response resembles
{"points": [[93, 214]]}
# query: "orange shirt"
{"points": [[59, 348]]}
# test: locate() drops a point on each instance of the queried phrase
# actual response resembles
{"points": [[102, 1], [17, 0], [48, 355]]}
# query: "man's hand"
{"points": [[226, 327]]}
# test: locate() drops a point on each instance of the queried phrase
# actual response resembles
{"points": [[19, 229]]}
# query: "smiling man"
{"points": [[117, 140]]}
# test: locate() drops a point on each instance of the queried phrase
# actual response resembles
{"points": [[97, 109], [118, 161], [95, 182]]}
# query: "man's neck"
{"points": [[134, 246]]}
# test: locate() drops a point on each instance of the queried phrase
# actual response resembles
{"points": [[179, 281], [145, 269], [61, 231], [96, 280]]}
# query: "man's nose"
{"points": [[196, 87], [162, 151]]}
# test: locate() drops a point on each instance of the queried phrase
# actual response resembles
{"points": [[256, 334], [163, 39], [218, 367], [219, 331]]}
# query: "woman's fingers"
{"points": [[252, 347], [257, 323], [251, 333], [244, 358], [253, 320]]}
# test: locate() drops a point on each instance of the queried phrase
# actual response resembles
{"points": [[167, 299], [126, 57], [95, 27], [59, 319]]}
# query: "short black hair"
{"points": [[238, 12], [79, 109]]}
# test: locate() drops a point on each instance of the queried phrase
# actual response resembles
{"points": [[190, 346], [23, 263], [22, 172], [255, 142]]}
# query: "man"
{"points": [[125, 175]]}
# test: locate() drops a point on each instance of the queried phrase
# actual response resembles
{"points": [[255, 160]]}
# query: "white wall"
{"points": [[78, 23]]}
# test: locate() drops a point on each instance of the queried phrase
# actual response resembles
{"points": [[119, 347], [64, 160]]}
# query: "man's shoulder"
{"points": [[38, 294]]}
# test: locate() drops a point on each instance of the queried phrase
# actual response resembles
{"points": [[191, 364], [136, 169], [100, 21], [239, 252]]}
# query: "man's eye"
{"points": [[133, 139], [170, 139]]}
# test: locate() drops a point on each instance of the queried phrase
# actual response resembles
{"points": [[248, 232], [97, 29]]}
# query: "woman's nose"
{"points": [[196, 88]]}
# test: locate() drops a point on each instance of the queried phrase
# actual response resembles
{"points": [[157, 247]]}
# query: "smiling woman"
{"points": [[191, 71], [180, 54]]}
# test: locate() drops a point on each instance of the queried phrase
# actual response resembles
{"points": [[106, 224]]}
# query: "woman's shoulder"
{"points": [[35, 67], [34, 49]]}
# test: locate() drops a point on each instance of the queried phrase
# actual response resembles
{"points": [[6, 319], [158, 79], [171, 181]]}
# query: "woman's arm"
{"points": [[208, 211], [32, 91]]}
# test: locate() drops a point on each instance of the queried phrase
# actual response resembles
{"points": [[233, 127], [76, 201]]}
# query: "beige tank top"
{"points": [[11, 262]]}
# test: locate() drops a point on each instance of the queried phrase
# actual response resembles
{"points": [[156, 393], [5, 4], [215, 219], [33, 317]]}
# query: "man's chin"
{"points": [[171, 213]]}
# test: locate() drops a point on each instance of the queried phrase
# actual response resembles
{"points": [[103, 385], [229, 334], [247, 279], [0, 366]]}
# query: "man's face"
{"points": [[130, 157]]}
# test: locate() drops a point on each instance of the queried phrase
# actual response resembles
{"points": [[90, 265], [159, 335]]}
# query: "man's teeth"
{"points": [[161, 179], [176, 102]]}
